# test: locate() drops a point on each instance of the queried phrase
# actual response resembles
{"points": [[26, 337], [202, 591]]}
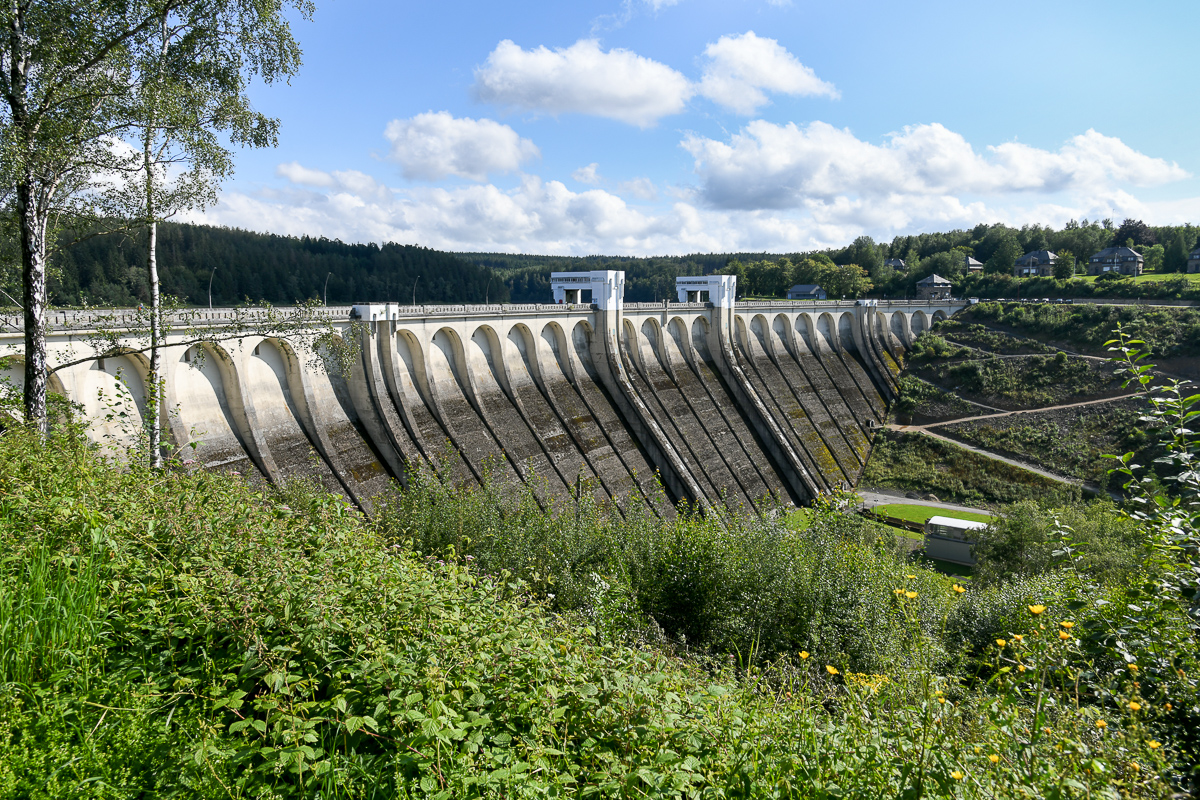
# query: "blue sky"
{"points": [[674, 126]]}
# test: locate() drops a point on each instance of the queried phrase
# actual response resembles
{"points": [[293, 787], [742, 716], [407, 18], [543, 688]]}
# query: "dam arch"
{"points": [[596, 390]]}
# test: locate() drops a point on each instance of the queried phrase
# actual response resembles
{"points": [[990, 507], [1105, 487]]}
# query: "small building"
{"points": [[949, 539], [1194, 261], [933, 287], [1124, 260], [1038, 264], [895, 263], [806, 291], [970, 265]]}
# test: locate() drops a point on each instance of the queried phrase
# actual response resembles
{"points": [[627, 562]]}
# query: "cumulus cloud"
{"points": [[642, 188], [296, 173], [589, 174], [582, 78], [788, 166], [433, 145], [740, 67]]}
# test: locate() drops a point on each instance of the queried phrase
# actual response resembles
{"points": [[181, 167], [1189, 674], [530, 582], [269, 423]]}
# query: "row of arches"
{"points": [[547, 401]]}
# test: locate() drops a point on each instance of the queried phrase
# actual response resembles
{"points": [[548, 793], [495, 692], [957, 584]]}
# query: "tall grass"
{"points": [[247, 642], [50, 612]]}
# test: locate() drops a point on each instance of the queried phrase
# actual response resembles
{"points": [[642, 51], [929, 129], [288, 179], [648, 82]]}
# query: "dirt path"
{"points": [[988, 454], [924, 428]]}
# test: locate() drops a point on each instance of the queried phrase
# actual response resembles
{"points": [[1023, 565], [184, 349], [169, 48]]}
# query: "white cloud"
{"points": [[433, 145], [582, 78], [740, 67], [589, 174], [788, 166], [776, 188], [642, 188], [296, 173]]}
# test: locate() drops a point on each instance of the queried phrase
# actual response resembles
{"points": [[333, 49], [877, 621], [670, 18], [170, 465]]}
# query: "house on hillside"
{"points": [[1194, 261], [895, 263], [1124, 260], [971, 266], [1038, 264], [934, 287], [806, 291]]}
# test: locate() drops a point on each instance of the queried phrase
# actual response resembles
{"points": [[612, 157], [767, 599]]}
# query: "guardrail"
{"points": [[895, 522]]}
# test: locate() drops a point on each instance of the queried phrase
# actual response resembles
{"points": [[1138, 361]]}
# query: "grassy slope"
{"points": [[918, 463], [188, 636]]}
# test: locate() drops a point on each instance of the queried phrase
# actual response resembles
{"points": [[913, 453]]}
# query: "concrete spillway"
{"points": [[647, 405]]}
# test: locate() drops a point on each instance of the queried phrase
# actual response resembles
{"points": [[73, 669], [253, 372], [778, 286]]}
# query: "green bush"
{"points": [[188, 635]]}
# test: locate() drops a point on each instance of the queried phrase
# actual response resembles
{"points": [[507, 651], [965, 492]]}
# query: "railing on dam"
{"points": [[82, 319]]}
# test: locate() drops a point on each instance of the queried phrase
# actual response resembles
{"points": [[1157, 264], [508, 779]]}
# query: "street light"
{"points": [[415, 289], [485, 291], [210, 277], [325, 294]]}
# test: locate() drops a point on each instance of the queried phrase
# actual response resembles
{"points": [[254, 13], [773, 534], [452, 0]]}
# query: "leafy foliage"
{"points": [[185, 635], [920, 463]]}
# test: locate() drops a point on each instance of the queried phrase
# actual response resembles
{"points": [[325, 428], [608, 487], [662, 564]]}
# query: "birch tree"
{"points": [[63, 64], [73, 74], [191, 77]]}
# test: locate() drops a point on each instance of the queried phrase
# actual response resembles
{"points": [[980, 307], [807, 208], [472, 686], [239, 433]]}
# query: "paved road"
{"points": [[883, 497]]}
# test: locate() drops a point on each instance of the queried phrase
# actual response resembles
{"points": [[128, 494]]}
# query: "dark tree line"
{"points": [[106, 270]]}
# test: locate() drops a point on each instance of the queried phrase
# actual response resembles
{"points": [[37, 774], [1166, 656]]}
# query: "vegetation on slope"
{"points": [[914, 462], [110, 270], [1068, 441], [183, 634], [1168, 332]]}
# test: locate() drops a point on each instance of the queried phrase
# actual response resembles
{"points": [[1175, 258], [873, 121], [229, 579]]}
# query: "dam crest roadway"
{"points": [[711, 402]]}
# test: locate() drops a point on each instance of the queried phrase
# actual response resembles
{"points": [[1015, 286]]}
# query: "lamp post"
{"points": [[415, 290], [485, 291], [325, 294], [210, 277]]}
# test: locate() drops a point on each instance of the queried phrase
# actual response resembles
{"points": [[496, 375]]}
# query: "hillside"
{"points": [[110, 270], [184, 634]]}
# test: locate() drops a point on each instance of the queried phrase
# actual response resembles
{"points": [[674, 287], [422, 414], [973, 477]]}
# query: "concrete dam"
{"points": [[707, 401]]}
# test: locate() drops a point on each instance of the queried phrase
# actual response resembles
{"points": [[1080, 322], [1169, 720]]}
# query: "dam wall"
{"points": [[642, 405]]}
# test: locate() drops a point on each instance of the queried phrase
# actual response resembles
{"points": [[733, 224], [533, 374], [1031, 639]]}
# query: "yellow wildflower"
{"points": [[910, 595], [995, 759], [803, 655], [1016, 637], [1133, 765], [1135, 706], [1133, 667], [1153, 744], [831, 670], [1020, 667], [1101, 724], [911, 577], [1035, 610], [1067, 625], [1000, 643], [1064, 635], [958, 776], [959, 589]]}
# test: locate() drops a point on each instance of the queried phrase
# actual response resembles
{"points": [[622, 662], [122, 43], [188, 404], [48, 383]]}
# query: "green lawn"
{"points": [[1152, 277], [915, 513]]}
